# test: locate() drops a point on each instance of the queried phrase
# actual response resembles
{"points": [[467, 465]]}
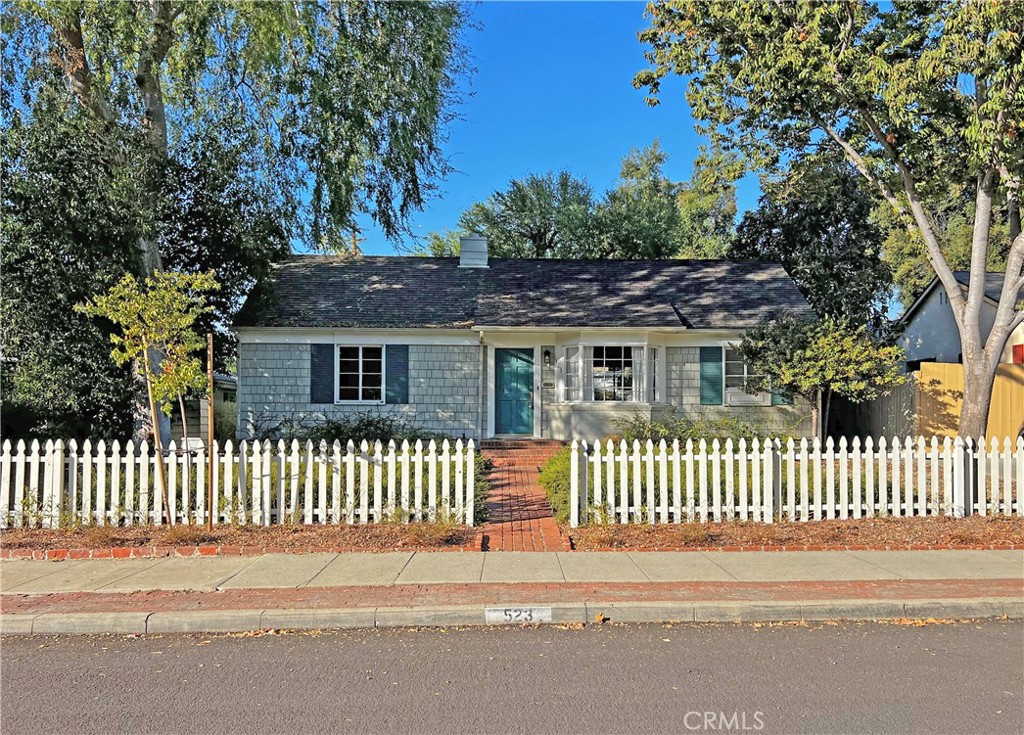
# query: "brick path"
{"points": [[520, 516]]}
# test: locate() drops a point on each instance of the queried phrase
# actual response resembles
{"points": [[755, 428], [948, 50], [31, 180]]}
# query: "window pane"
{"points": [[371, 394], [372, 380], [371, 366], [348, 353], [373, 353], [348, 394], [348, 380], [348, 366]]}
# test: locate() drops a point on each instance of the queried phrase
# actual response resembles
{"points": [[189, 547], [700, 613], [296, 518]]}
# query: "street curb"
{"points": [[240, 621]]}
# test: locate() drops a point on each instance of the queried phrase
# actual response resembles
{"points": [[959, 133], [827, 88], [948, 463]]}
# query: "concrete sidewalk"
{"points": [[282, 590]]}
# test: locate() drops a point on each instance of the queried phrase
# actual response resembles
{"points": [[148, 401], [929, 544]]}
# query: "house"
{"points": [[477, 347], [930, 333], [198, 414], [930, 403]]}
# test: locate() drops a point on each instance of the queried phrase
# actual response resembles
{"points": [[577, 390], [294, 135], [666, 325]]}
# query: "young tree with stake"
{"points": [[157, 316]]}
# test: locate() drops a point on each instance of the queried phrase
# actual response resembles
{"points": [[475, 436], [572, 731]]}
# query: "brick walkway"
{"points": [[520, 516]]}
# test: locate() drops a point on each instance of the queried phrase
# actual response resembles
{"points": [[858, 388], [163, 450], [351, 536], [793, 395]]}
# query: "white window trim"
{"points": [[746, 376], [582, 344], [383, 376]]}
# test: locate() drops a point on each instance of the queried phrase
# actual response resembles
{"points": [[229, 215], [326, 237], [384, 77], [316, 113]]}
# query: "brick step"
{"points": [[520, 443]]}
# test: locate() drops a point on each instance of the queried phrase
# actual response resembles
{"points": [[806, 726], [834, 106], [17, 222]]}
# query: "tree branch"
{"points": [[75, 65]]}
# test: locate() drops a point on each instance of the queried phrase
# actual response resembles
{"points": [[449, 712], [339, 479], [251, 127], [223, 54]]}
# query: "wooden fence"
{"points": [[60, 484], [806, 481], [929, 404]]}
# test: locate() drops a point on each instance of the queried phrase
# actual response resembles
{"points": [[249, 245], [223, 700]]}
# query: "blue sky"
{"points": [[552, 89]]}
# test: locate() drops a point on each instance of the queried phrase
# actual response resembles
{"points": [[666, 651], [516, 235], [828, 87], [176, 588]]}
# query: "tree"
{"points": [[817, 222], [639, 218], [816, 359], [707, 206], [158, 316], [349, 99], [70, 225], [71, 217], [444, 244], [905, 255], [345, 103], [924, 99], [545, 216]]}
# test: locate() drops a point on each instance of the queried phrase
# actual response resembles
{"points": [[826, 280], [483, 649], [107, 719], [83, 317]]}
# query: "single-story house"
{"points": [[929, 329], [478, 347]]}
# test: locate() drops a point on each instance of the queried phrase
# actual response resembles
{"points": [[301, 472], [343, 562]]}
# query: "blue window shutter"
{"points": [[321, 373], [396, 358], [781, 399], [711, 376]]}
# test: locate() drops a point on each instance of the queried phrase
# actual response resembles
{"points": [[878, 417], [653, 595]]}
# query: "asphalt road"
{"points": [[850, 678]]}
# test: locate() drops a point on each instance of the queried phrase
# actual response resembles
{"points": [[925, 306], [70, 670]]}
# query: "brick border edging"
{"points": [[822, 547], [154, 552], [158, 552]]}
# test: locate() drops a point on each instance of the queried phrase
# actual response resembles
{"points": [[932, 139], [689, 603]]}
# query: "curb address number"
{"points": [[517, 615]]}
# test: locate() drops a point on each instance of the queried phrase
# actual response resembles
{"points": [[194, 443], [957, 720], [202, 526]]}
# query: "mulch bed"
{"points": [[937, 532], [185, 540]]}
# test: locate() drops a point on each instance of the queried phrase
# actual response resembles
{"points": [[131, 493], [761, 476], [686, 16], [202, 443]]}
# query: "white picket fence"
{"points": [[765, 480], [60, 484]]}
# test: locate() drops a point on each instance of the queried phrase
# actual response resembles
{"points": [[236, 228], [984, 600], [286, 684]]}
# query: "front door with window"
{"points": [[513, 391]]}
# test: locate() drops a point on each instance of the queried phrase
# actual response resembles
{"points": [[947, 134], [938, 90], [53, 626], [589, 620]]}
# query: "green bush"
{"points": [[554, 478], [696, 427]]}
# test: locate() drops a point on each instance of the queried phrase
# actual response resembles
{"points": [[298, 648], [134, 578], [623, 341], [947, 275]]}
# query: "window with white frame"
{"points": [[610, 373], [737, 372], [360, 374]]}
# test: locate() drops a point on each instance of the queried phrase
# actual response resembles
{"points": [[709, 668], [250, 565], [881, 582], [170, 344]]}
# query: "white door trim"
{"points": [[492, 369]]}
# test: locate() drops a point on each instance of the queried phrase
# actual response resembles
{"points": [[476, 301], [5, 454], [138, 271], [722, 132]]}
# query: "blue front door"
{"points": [[513, 391]]}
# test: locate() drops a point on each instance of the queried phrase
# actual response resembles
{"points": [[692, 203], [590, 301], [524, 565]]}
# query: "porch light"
{"points": [[547, 358]]}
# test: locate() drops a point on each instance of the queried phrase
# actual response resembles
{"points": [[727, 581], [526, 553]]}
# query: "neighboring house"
{"points": [[930, 333], [197, 410], [475, 347]]}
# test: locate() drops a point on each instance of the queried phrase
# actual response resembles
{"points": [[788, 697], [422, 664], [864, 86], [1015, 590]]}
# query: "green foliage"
{"points": [[904, 253], [536, 217], [646, 214], [444, 244], [817, 222], [707, 206], [70, 219], [218, 215], [806, 358], [348, 101], [158, 314], [554, 478], [639, 427]]}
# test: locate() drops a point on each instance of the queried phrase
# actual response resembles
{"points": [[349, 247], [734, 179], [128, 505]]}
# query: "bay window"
{"points": [[620, 373]]}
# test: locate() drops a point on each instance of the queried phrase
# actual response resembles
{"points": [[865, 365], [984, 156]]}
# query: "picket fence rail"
{"points": [[61, 484], [767, 480]]}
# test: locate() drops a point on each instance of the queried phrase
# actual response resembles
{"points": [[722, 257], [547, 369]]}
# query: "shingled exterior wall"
{"points": [[444, 389], [682, 378]]}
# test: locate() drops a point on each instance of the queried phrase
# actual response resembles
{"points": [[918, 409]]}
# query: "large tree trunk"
{"points": [[977, 399], [74, 62]]}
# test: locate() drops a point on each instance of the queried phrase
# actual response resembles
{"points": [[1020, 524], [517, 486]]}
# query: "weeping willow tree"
{"points": [[343, 106]]}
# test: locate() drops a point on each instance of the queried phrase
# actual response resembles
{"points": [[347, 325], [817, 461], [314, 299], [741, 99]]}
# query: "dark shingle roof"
{"points": [[412, 292], [993, 283]]}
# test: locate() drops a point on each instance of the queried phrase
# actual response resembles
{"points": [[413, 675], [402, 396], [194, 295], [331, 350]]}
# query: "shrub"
{"points": [[695, 427], [554, 478]]}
